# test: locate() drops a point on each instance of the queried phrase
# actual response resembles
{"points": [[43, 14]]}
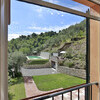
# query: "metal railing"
{"points": [[89, 85], [61, 93]]}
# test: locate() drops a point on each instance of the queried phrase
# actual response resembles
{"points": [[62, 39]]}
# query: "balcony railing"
{"points": [[54, 94]]}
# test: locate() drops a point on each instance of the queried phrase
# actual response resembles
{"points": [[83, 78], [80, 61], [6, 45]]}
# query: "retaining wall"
{"points": [[47, 65], [72, 71]]}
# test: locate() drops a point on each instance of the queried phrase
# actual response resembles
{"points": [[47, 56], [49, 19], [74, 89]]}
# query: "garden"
{"points": [[16, 90], [55, 81]]}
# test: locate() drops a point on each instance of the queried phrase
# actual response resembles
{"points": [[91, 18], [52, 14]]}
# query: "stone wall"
{"points": [[47, 65], [72, 71], [45, 55]]}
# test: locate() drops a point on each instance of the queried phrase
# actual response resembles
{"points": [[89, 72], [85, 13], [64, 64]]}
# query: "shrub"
{"points": [[61, 63], [69, 64], [38, 61], [15, 61]]}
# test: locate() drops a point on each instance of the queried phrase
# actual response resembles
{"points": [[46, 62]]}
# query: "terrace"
{"points": [[91, 87]]}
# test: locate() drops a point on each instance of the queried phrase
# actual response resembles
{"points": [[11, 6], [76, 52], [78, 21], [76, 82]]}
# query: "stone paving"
{"points": [[32, 90], [30, 87], [35, 72]]}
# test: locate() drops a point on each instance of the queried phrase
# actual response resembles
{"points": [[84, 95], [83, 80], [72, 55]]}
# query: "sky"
{"points": [[28, 18]]}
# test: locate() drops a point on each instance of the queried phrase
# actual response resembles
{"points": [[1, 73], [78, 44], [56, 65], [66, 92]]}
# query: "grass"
{"points": [[16, 90], [38, 61], [55, 81]]}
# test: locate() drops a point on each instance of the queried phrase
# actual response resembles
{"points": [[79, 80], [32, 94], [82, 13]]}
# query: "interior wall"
{"points": [[95, 51]]}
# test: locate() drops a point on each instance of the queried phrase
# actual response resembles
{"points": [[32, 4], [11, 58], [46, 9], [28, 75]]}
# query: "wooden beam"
{"points": [[89, 3], [95, 1], [85, 2], [60, 8]]}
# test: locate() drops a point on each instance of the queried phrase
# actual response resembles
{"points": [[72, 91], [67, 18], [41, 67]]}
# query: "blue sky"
{"points": [[28, 18]]}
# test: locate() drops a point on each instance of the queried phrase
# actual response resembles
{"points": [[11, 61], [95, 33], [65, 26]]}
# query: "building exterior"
{"points": [[45, 55]]}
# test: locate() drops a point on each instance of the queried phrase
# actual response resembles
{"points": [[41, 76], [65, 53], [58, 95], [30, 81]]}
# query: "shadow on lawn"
{"points": [[17, 80], [10, 96]]}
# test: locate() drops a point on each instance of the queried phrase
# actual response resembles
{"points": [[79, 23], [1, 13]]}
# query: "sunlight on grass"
{"points": [[17, 90], [55, 81]]}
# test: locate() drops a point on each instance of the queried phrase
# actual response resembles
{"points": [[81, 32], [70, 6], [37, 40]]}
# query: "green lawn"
{"points": [[17, 90], [55, 81], [38, 61]]}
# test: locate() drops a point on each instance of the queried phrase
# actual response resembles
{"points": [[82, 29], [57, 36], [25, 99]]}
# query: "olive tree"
{"points": [[15, 61]]}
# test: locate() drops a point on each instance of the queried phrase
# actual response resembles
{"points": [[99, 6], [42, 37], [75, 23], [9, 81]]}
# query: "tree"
{"points": [[46, 40], [15, 61], [34, 35], [25, 50]]}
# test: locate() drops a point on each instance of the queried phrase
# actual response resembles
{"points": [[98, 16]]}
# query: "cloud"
{"points": [[15, 22], [50, 28], [13, 36], [52, 1], [39, 10], [62, 15], [37, 30], [25, 32], [51, 13], [79, 7], [58, 13], [17, 34]]}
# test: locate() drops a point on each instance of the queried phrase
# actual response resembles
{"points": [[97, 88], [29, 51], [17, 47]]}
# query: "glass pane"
{"points": [[69, 3], [44, 47]]}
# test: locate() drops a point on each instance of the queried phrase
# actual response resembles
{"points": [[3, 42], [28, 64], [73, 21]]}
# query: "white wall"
{"points": [[45, 55]]}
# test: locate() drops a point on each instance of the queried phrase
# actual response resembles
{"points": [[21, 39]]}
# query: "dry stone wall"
{"points": [[72, 71]]}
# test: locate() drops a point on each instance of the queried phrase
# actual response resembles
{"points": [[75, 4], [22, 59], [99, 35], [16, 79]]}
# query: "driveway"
{"points": [[35, 72]]}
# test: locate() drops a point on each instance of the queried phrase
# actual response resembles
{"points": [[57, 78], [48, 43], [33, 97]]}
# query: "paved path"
{"points": [[35, 72], [30, 87], [32, 90]]}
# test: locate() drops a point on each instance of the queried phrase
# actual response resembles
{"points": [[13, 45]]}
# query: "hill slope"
{"points": [[48, 41]]}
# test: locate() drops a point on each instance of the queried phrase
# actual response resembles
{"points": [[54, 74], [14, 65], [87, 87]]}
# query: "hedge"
{"points": [[38, 61]]}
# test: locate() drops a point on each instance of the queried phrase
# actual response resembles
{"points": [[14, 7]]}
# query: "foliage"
{"points": [[61, 62], [51, 42], [15, 61], [56, 81], [47, 40], [38, 61], [16, 90], [69, 64], [75, 55]]}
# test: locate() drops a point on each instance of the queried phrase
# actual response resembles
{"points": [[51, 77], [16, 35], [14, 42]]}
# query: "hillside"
{"points": [[75, 55], [48, 41]]}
